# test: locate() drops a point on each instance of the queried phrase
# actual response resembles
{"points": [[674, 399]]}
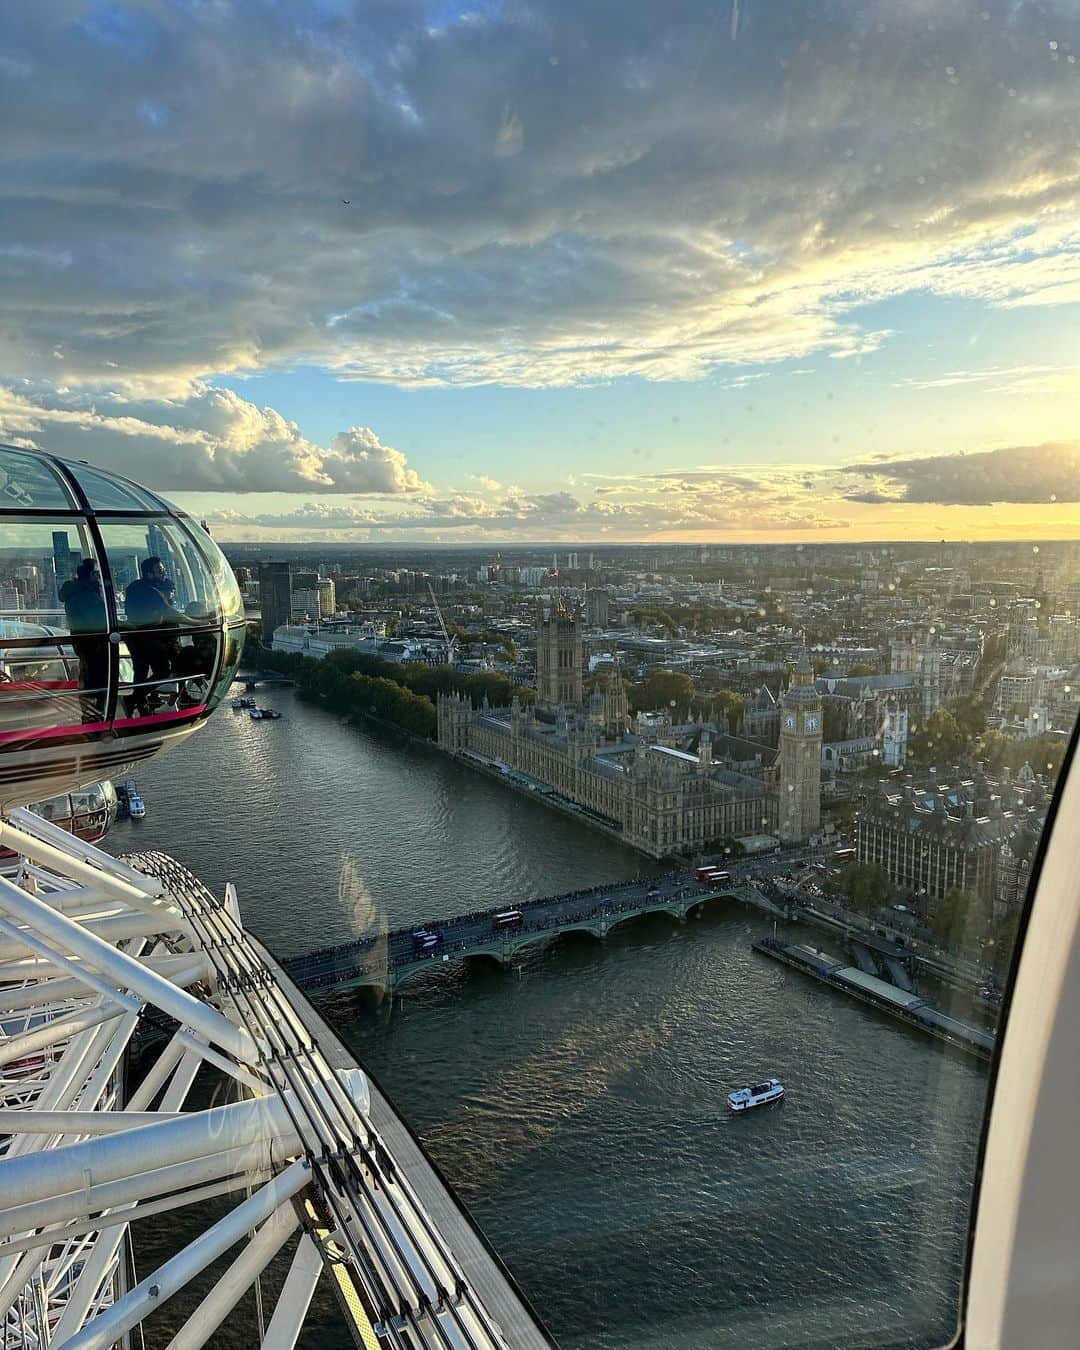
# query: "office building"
{"points": [[275, 598]]}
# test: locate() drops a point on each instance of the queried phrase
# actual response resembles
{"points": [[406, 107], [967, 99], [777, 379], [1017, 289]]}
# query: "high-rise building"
{"points": [[327, 597], [63, 560], [799, 809], [597, 608], [559, 655], [275, 597]]}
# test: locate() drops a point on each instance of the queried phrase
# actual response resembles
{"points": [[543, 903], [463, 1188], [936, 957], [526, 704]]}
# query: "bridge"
{"points": [[386, 961], [250, 678]]}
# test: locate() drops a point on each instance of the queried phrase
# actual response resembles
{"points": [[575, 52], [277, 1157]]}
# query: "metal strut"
{"points": [[92, 942]]}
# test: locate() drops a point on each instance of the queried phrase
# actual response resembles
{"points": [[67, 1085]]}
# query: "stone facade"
{"points": [[559, 656], [894, 739], [918, 656], [663, 788], [973, 834], [800, 757], [761, 717], [659, 797]]}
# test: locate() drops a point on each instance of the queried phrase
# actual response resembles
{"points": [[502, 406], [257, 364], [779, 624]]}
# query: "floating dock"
{"points": [[902, 1004]]}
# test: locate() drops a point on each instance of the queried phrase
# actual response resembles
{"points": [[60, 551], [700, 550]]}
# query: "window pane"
{"points": [[228, 591], [109, 494], [166, 598], [50, 586], [233, 648], [30, 481], [159, 576]]}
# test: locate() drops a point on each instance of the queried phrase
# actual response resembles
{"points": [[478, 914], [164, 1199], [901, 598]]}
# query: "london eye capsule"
{"points": [[121, 625]]}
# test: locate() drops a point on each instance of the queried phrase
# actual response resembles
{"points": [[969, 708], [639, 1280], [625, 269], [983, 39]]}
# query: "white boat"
{"points": [[761, 1094], [136, 806], [245, 701]]}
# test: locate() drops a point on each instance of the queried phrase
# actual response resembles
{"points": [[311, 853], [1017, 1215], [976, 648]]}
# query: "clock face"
{"points": [[811, 722], [789, 723]]}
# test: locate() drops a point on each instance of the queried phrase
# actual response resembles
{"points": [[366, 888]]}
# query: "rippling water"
{"points": [[577, 1104]]}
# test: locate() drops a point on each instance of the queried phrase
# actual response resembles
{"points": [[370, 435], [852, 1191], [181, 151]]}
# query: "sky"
{"points": [[525, 270]]}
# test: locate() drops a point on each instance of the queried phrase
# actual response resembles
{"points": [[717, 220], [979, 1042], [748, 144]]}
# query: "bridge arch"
{"points": [[701, 901], [592, 928], [484, 956], [619, 920]]}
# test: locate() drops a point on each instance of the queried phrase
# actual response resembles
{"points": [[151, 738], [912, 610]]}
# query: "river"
{"points": [[576, 1104]]}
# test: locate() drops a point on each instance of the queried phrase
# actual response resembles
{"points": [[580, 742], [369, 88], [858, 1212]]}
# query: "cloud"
{"points": [[1025, 473], [537, 195], [650, 508], [711, 502], [211, 439], [359, 462], [1012, 380]]}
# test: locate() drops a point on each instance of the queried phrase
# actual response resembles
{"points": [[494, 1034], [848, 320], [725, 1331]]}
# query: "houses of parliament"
{"points": [[662, 786]]}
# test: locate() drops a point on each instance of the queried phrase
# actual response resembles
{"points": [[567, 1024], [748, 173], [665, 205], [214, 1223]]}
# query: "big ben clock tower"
{"points": [[800, 757]]}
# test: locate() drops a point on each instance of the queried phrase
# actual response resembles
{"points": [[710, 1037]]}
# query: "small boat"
{"points": [[263, 714], [124, 793], [244, 701], [761, 1094], [136, 806]]}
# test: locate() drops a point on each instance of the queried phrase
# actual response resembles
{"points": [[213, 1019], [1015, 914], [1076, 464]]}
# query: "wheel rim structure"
{"points": [[93, 948]]}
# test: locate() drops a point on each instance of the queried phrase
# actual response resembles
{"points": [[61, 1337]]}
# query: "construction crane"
{"points": [[447, 639]]}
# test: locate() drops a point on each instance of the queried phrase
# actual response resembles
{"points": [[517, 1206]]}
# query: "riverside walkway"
{"points": [[385, 961]]}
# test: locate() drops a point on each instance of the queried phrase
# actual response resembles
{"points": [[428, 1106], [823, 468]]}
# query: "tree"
{"points": [[865, 886], [1043, 753], [1005, 935], [970, 714], [940, 741], [861, 668], [725, 708], [955, 916], [667, 689]]}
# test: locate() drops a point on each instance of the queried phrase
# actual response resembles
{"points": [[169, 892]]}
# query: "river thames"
{"points": [[577, 1103]]}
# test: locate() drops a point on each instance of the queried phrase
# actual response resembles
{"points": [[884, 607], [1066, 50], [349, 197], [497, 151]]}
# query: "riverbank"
{"points": [[549, 799], [909, 1008]]}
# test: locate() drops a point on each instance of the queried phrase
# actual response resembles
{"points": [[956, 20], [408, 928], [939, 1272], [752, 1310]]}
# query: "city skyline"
{"points": [[481, 275]]}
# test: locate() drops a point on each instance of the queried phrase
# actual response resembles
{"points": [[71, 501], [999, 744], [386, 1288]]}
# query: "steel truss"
{"points": [[92, 948]]}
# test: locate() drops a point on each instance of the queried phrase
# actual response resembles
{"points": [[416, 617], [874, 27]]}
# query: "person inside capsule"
{"points": [[84, 606], [154, 648]]}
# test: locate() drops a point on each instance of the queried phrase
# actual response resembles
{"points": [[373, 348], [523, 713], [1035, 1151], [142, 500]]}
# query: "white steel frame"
{"points": [[1024, 1286], [91, 947]]}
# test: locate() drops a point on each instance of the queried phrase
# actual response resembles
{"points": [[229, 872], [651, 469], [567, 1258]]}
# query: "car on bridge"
{"points": [[427, 940]]}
